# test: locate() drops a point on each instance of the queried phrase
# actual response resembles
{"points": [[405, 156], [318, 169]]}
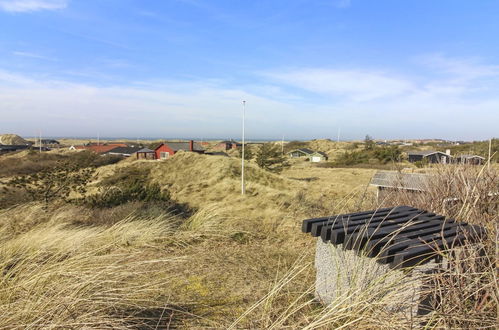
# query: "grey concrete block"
{"points": [[343, 277]]}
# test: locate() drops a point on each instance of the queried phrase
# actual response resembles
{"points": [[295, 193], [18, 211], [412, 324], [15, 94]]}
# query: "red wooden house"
{"points": [[167, 149], [227, 145]]}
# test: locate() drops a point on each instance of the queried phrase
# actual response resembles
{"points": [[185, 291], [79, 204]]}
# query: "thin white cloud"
{"points": [[33, 55], [168, 108], [357, 85], [378, 103], [464, 69], [20, 6]]}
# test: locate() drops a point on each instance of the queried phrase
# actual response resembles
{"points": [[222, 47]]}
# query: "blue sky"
{"points": [[180, 68]]}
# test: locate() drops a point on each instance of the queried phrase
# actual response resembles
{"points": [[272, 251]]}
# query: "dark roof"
{"points": [[425, 153], [309, 152], [50, 141], [146, 150], [471, 156], [304, 150], [394, 236], [124, 150], [409, 181], [321, 153], [13, 147], [176, 146]]}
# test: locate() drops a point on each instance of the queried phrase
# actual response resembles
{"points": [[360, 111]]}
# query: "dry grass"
{"points": [[468, 289], [59, 276], [239, 261]]}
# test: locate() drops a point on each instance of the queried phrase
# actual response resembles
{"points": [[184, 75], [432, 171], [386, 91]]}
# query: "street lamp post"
{"points": [[243, 188]]}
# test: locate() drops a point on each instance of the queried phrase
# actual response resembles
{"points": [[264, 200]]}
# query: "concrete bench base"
{"points": [[345, 277]]}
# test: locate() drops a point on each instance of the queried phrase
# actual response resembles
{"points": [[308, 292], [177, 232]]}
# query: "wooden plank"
{"points": [[316, 226], [307, 224], [388, 254], [470, 232], [338, 234], [327, 230], [415, 255], [358, 239], [375, 246]]}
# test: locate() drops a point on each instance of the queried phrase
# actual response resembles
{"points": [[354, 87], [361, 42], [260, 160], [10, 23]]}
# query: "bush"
{"points": [[127, 185], [50, 184], [13, 197], [387, 154], [352, 158], [373, 156], [248, 152], [131, 185], [88, 158], [270, 158], [35, 162]]}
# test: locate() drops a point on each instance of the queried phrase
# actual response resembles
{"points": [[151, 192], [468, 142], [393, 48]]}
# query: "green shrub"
{"points": [[51, 184], [127, 185], [387, 154], [88, 158], [374, 156], [352, 158], [270, 158], [35, 162], [248, 152], [131, 185]]}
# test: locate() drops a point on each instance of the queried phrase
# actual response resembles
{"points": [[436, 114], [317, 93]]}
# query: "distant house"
{"points": [[311, 155], [470, 159], [146, 153], [227, 145], [388, 182], [5, 148], [50, 142], [123, 151], [430, 156], [167, 149]]}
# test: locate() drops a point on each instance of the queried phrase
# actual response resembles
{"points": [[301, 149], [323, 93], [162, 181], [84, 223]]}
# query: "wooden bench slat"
{"points": [[338, 234], [401, 236], [329, 228], [307, 224], [415, 255], [374, 246], [358, 239]]}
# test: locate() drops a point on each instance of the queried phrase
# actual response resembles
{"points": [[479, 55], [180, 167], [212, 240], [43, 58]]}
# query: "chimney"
{"points": [[447, 152], [191, 145]]}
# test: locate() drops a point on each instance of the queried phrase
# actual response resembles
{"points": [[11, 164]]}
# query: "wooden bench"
{"points": [[355, 250]]}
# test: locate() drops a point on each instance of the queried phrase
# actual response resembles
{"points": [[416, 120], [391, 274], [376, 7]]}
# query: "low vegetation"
{"points": [[32, 162], [270, 158], [174, 244], [480, 148], [467, 291]]}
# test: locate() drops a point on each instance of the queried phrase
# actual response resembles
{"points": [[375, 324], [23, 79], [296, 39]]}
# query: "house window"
{"points": [[164, 155]]}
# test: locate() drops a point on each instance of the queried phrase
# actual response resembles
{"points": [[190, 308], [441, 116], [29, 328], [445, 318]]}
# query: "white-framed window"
{"points": [[164, 154]]}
